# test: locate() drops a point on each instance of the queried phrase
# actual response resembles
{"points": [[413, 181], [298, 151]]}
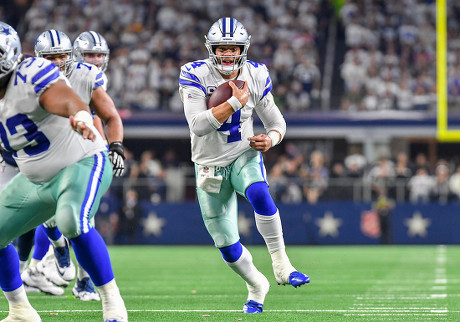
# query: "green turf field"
{"points": [[348, 283]]}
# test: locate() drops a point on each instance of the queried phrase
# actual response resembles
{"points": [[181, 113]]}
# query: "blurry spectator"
{"points": [[151, 169], [441, 190], [297, 99], [381, 176], [340, 187], [384, 206], [454, 183], [129, 221], [316, 177], [421, 161], [420, 186]]}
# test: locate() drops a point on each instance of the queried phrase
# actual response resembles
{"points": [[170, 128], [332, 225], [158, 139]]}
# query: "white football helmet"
{"points": [[227, 32], [10, 49], [91, 42], [54, 42]]}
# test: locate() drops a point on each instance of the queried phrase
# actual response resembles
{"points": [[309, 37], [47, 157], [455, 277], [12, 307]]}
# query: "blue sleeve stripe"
{"points": [[100, 83], [191, 76], [99, 76], [268, 81], [189, 83], [267, 90], [48, 80], [43, 72]]}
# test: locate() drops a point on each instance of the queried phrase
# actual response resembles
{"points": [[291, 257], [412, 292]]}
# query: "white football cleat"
{"points": [[25, 313], [47, 267], [32, 277]]}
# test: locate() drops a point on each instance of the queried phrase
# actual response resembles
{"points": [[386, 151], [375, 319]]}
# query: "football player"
{"points": [[91, 48], [64, 171], [227, 154], [87, 81]]}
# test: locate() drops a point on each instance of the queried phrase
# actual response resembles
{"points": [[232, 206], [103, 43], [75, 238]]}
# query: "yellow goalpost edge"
{"points": [[443, 133]]}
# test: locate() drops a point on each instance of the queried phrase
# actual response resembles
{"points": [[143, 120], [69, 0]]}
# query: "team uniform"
{"points": [[60, 173], [227, 163], [49, 155], [223, 159]]}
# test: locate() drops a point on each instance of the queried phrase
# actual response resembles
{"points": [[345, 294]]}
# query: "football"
{"points": [[223, 92]]}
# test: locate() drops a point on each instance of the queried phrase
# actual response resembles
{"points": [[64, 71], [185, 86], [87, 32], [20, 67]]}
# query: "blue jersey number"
{"points": [[33, 135], [233, 127], [194, 65]]}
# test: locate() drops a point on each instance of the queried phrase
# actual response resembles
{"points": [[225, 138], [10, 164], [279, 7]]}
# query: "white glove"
{"points": [[117, 157]]}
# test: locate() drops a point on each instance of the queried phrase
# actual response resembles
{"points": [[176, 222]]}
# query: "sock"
{"points": [[42, 244], [17, 296], [10, 279], [245, 268], [259, 197], [25, 244], [55, 236], [108, 288], [271, 230], [81, 273], [93, 256], [232, 253]]}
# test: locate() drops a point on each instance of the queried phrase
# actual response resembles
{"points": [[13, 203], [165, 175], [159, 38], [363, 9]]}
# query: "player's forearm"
{"points": [[222, 112], [114, 130]]}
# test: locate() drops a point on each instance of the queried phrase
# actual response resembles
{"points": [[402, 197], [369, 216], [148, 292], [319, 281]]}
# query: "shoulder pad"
{"points": [[36, 71]]}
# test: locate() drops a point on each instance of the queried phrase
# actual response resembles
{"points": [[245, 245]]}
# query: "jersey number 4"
{"points": [[233, 127], [32, 134]]}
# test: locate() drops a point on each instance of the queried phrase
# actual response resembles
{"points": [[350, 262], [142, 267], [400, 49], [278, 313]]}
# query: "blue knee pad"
{"points": [[260, 199], [232, 253]]}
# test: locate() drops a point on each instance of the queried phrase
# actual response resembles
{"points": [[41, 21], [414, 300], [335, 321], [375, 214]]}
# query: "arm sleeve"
{"points": [[270, 115], [200, 120]]}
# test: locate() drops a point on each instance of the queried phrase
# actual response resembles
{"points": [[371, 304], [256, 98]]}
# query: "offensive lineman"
{"points": [[64, 170], [227, 154], [87, 81]]}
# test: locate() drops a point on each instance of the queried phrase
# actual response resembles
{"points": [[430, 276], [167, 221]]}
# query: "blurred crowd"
{"points": [[390, 62], [150, 39], [297, 173]]}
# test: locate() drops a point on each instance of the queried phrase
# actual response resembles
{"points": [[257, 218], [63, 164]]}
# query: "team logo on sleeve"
{"points": [[210, 90]]}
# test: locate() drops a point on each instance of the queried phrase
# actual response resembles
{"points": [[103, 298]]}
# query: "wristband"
{"points": [[235, 103], [275, 136], [83, 116]]}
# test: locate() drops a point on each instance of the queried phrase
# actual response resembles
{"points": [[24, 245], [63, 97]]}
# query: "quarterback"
{"points": [[64, 170], [227, 154]]}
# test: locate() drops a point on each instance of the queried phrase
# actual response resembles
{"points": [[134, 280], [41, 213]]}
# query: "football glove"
{"points": [[117, 156]]}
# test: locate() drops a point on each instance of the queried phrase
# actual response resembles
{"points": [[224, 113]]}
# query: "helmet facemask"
{"points": [[54, 42], [227, 32], [91, 42]]}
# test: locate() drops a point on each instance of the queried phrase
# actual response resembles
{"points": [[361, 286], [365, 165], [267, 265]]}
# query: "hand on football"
{"points": [[261, 142], [241, 94], [82, 128], [117, 157]]}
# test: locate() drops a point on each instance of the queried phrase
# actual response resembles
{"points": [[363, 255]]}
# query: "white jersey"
{"points": [[106, 81], [42, 143], [85, 78], [214, 144]]}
